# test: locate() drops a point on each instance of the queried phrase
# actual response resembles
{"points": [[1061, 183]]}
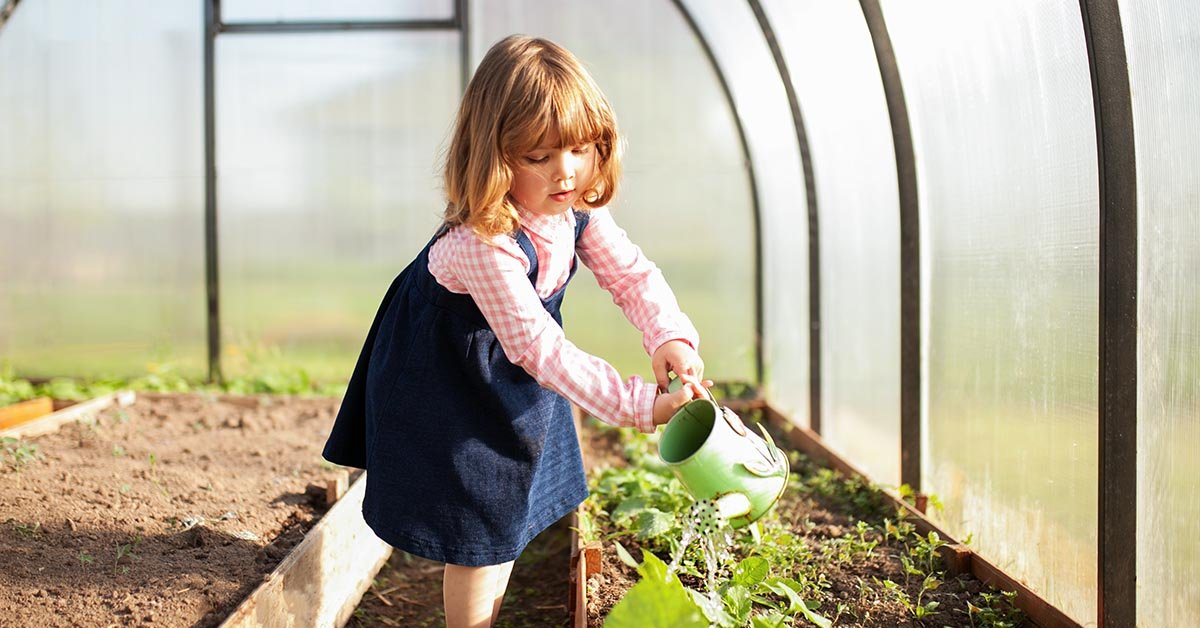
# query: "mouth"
{"points": [[562, 197]]}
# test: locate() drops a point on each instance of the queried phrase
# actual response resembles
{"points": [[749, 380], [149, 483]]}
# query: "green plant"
{"points": [[28, 531], [85, 558], [995, 610], [127, 552], [17, 453]]}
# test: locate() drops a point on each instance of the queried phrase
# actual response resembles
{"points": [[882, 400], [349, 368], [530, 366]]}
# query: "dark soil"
{"points": [[167, 512]]}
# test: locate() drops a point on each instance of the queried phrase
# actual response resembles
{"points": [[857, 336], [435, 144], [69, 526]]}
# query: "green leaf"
{"points": [[656, 600], [628, 508], [751, 571], [796, 604], [738, 603], [653, 522], [652, 567], [713, 610], [772, 620], [625, 556]]}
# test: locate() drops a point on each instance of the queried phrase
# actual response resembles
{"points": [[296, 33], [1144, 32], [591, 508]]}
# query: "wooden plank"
{"points": [[957, 555], [321, 581], [83, 412], [25, 411]]}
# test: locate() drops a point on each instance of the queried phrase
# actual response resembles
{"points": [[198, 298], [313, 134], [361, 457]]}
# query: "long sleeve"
{"points": [[636, 283], [495, 275]]}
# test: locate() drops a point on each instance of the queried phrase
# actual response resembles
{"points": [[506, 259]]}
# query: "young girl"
{"points": [[458, 405]]}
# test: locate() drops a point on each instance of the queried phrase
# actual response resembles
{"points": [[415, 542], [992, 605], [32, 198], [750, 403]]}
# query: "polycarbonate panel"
{"points": [[832, 65], [342, 10], [1162, 44], [685, 196], [327, 168], [999, 98], [101, 189], [746, 62]]}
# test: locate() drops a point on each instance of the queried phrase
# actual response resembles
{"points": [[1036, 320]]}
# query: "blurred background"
{"points": [[762, 175]]}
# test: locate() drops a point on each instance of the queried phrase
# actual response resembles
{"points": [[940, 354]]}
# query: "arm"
{"points": [[639, 289], [495, 276]]}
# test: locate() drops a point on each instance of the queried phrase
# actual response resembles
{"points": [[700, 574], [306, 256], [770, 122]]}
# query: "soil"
{"points": [[167, 512], [816, 521]]}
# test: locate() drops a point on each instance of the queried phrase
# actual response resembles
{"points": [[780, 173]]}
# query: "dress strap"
{"points": [[581, 221], [527, 246]]}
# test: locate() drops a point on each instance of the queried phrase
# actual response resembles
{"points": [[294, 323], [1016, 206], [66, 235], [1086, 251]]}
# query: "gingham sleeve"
{"points": [[495, 276], [636, 283]]}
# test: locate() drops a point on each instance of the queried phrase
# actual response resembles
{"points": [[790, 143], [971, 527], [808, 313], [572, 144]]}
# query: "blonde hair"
{"points": [[523, 91]]}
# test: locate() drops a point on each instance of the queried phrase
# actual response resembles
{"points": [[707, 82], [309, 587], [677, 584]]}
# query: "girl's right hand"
{"points": [[668, 403]]}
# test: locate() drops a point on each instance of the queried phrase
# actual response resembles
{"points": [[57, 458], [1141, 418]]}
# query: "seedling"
{"points": [[28, 531], [118, 451], [86, 558], [127, 552], [17, 453]]}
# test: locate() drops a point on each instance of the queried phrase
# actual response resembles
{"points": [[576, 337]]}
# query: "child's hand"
{"points": [[677, 356], [668, 403]]}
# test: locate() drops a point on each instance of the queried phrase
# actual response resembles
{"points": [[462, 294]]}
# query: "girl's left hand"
{"points": [[677, 356]]}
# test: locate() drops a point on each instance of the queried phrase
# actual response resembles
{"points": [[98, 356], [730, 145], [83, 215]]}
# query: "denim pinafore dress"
{"points": [[467, 456]]}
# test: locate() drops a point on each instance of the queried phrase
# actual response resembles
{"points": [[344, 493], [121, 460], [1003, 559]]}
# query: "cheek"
{"points": [[526, 185]]}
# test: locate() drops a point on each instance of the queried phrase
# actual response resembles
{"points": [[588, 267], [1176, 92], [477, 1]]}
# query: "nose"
{"points": [[565, 167]]}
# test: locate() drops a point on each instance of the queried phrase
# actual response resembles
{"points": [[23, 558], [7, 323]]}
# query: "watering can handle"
{"points": [[734, 421]]}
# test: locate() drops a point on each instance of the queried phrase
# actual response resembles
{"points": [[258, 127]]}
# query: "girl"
{"points": [[458, 405]]}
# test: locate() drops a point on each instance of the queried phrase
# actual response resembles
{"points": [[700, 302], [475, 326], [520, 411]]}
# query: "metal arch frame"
{"points": [[1116, 564], [814, 234], [910, 247], [213, 26], [6, 10], [754, 198]]}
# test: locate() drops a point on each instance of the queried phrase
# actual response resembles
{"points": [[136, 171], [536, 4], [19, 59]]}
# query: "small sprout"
{"points": [[86, 558], [118, 451]]}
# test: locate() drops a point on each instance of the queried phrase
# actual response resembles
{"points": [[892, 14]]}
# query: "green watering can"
{"points": [[716, 458]]}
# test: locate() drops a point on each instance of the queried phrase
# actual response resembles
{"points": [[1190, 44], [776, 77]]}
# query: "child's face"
{"points": [[550, 178]]}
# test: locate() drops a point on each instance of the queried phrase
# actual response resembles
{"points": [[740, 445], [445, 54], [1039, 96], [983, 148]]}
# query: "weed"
{"points": [[127, 552], [28, 531], [17, 453], [118, 451], [85, 558]]}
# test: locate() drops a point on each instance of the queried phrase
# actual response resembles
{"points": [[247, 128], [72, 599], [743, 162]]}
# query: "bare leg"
{"points": [[502, 574], [470, 594]]}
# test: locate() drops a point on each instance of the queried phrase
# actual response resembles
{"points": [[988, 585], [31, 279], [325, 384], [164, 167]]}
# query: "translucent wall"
{"points": [[1164, 60], [686, 195], [327, 152], [836, 79], [101, 188], [746, 62], [999, 97], [343, 10]]}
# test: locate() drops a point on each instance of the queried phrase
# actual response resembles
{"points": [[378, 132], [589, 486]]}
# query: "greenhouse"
{"points": [[936, 253]]}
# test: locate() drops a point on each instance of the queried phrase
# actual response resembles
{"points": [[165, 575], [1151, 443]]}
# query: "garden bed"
{"points": [[169, 511], [835, 548]]}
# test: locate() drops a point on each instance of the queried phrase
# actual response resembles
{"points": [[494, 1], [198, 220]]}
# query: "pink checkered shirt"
{"points": [[495, 274]]}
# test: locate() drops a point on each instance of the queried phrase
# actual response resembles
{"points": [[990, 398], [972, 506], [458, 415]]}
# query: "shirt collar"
{"points": [[542, 225]]}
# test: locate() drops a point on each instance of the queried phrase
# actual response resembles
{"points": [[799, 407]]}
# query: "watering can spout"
{"points": [[733, 505]]}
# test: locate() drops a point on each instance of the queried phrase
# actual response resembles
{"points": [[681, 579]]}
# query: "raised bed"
{"points": [[180, 510], [856, 555]]}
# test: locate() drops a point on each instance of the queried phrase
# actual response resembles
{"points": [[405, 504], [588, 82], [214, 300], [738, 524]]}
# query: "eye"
{"points": [[536, 160], [582, 150]]}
